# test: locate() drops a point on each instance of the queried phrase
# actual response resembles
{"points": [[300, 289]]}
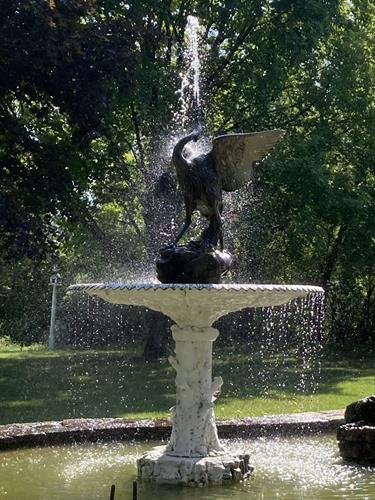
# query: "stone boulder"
{"points": [[356, 437], [361, 411]]}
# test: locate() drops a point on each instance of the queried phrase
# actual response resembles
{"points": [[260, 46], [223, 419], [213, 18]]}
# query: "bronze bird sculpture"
{"points": [[228, 166]]}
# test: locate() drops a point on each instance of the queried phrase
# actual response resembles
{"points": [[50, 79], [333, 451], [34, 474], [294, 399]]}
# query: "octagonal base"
{"points": [[157, 466]]}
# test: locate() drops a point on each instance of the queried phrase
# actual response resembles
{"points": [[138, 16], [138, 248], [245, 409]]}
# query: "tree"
{"points": [[63, 69], [87, 98]]}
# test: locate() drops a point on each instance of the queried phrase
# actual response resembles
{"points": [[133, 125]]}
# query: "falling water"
{"points": [[190, 91], [192, 31], [190, 102], [163, 202], [272, 351]]}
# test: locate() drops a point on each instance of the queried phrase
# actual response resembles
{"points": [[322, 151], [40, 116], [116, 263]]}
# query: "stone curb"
{"points": [[108, 429]]}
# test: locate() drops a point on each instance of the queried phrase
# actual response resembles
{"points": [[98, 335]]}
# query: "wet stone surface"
{"points": [[357, 442], [361, 411], [357, 436], [160, 467], [109, 429]]}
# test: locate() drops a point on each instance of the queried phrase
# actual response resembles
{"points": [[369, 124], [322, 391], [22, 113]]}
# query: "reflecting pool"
{"points": [[286, 468]]}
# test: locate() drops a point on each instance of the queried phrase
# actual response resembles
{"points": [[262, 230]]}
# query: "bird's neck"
{"points": [[177, 156]]}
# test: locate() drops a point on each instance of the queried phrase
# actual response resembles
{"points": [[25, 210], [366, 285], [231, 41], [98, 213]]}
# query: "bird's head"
{"points": [[196, 133]]}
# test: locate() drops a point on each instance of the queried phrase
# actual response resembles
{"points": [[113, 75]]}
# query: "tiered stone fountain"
{"points": [[194, 454], [192, 296]]}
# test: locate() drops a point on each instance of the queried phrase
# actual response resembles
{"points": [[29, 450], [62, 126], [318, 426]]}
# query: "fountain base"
{"points": [[160, 467]]}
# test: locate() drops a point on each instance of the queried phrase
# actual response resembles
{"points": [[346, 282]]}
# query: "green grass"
{"points": [[37, 385]]}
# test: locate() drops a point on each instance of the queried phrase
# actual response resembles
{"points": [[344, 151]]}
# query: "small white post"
{"points": [[54, 281]]}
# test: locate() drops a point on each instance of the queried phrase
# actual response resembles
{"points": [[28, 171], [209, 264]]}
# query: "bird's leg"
{"points": [[217, 224], [218, 212], [206, 239], [213, 233], [184, 228], [221, 238], [217, 230], [221, 232]]}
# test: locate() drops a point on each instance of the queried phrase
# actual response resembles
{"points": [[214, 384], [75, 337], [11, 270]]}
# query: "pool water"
{"points": [[286, 468]]}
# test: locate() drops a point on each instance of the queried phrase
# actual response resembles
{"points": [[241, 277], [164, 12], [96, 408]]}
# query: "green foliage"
{"points": [[8, 345], [87, 95], [314, 216]]}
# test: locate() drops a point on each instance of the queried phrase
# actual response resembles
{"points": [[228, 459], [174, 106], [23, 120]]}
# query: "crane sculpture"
{"points": [[227, 167], [202, 178]]}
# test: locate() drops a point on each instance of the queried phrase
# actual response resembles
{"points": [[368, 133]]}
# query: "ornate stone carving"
{"points": [[194, 431], [159, 466], [194, 454]]}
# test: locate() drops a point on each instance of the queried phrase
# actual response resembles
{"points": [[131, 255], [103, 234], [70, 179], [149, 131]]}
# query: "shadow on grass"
{"points": [[40, 386], [73, 384], [251, 375]]}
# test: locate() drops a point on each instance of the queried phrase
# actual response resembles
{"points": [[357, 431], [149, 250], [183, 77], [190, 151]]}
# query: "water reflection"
{"points": [[286, 468]]}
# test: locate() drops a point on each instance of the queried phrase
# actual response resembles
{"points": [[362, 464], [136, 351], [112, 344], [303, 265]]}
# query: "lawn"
{"points": [[44, 385]]}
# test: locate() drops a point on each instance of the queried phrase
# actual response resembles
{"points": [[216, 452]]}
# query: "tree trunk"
{"points": [[156, 328]]}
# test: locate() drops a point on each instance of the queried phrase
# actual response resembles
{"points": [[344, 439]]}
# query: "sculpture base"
{"points": [[192, 263], [157, 466]]}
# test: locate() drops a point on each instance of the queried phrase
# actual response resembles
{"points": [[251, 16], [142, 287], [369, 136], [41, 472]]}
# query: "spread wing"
{"points": [[235, 155]]}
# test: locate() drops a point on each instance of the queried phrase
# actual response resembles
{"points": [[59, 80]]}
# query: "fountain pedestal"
{"points": [[194, 454], [194, 431]]}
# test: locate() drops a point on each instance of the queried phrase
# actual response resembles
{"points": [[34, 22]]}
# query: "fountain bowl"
{"points": [[197, 305]]}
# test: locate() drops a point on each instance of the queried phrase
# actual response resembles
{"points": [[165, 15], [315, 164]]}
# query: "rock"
{"points": [[356, 437], [192, 263], [361, 411], [357, 442]]}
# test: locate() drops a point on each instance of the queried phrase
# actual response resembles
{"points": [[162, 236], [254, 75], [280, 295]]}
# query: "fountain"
{"points": [[191, 294], [194, 454]]}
